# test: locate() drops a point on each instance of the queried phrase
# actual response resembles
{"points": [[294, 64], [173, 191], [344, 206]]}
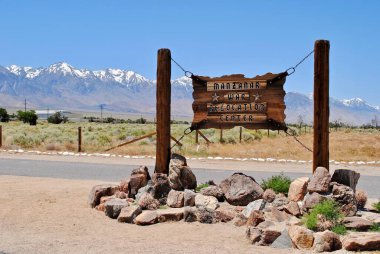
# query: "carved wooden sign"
{"points": [[229, 101]]}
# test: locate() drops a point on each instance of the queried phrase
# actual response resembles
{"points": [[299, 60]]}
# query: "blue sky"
{"points": [[207, 37]]}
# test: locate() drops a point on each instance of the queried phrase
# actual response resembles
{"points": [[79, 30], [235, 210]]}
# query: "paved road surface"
{"points": [[116, 172]]}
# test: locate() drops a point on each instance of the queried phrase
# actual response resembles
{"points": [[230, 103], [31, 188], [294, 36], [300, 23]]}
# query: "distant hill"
{"points": [[62, 86]]}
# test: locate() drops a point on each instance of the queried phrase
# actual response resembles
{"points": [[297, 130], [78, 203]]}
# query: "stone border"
{"points": [[105, 155]]}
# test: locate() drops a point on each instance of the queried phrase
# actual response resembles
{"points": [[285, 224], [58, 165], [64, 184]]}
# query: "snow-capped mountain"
{"points": [[61, 85]]}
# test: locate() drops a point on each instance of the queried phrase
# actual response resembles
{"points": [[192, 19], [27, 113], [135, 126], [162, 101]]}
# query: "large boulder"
{"points": [[240, 189], [160, 187], [225, 213], [326, 241], [345, 197], [213, 191], [298, 189], [180, 175], [148, 202], [362, 242], [346, 177], [206, 215], [147, 218], [206, 201], [99, 191], [129, 213], [189, 198], [175, 199], [311, 200], [302, 238], [113, 207], [320, 182], [292, 208], [139, 178]]}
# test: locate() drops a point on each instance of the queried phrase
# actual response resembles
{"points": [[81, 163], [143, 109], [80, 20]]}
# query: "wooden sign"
{"points": [[229, 101]]}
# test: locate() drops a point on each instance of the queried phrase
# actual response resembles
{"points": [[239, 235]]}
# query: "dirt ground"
{"points": [[44, 215]]}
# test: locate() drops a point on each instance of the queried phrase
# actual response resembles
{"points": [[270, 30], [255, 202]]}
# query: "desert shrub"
{"points": [[122, 137], [279, 183], [361, 198], [57, 118], [201, 186], [339, 229], [26, 142], [4, 116], [374, 228], [328, 210], [104, 140], [376, 206], [247, 137], [27, 116]]}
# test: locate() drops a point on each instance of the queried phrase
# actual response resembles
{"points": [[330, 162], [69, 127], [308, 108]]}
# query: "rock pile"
{"points": [[270, 219]]}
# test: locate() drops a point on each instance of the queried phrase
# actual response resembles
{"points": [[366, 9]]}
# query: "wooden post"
{"points": [[196, 137], [163, 111], [79, 139], [321, 104], [241, 133], [221, 136], [1, 136], [268, 132]]}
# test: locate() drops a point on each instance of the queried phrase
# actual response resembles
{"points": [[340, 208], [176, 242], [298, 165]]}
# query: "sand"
{"points": [[44, 215]]}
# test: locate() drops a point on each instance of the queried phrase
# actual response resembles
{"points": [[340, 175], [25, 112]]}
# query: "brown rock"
{"points": [[224, 214], [292, 208], [255, 218], [147, 201], [105, 199], [357, 223], [253, 234], [269, 195], [160, 187], [213, 191], [147, 218], [240, 220], [190, 214], [362, 242], [298, 189], [206, 201], [180, 176], [171, 214], [121, 195], [189, 198], [312, 199], [345, 197], [113, 207], [99, 191], [262, 236], [273, 214], [302, 238], [206, 215], [320, 182], [124, 185], [326, 241], [240, 189], [129, 213], [346, 177], [100, 207], [280, 202], [175, 199], [135, 183]]}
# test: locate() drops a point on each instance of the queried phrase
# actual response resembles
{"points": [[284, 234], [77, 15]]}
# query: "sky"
{"points": [[210, 38]]}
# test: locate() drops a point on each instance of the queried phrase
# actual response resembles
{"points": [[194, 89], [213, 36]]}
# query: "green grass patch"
{"points": [[201, 186], [376, 206], [278, 183], [329, 209], [339, 229], [374, 228]]}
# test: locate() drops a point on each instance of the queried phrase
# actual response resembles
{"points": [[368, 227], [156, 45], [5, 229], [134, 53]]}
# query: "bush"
{"points": [[361, 198], [278, 183], [376, 206], [57, 118], [328, 211], [339, 229], [201, 186], [27, 116], [4, 116], [374, 228]]}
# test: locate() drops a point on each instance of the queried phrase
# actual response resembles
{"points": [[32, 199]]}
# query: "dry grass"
{"points": [[345, 145]]}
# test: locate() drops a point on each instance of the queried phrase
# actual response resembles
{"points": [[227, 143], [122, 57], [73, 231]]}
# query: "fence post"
{"points": [[221, 136], [79, 139], [196, 137], [1, 136], [241, 133], [321, 104], [163, 94]]}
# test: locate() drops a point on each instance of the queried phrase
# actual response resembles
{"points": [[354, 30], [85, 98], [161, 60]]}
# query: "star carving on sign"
{"points": [[257, 97], [215, 98]]}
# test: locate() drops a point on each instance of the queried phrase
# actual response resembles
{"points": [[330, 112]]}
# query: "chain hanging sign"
{"points": [[234, 100]]}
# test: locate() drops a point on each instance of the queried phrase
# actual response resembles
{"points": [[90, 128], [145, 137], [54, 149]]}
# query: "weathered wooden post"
{"points": [[241, 133], [196, 137], [163, 111], [321, 104], [79, 139], [221, 136], [1, 136]]}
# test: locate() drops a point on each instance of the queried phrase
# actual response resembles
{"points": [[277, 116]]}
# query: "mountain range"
{"points": [[61, 86]]}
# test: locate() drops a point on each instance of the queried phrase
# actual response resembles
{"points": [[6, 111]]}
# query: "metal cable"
{"points": [[294, 135], [187, 73], [293, 69]]}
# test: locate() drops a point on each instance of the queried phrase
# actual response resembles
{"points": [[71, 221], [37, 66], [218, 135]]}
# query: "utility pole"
{"points": [[25, 105]]}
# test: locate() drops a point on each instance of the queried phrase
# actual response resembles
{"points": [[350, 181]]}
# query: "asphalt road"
{"points": [[116, 172]]}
